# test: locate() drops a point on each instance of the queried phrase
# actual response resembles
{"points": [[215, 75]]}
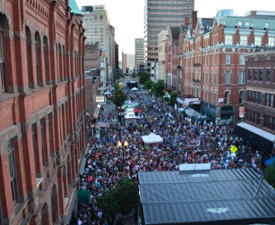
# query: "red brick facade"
{"points": [[42, 108], [259, 102], [214, 66]]}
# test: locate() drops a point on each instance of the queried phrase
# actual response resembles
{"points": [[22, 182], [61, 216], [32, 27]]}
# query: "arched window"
{"points": [[60, 62], [46, 60], [54, 204], [38, 59], [2, 62], [64, 63], [29, 57], [44, 215]]}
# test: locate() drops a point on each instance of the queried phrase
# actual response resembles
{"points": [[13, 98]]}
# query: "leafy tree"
{"points": [[173, 98], [117, 75], [269, 175], [158, 89], [122, 199], [119, 97], [143, 77], [148, 84]]}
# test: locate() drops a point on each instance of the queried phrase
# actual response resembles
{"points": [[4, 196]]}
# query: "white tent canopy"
{"points": [[152, 139], [134, 89]]}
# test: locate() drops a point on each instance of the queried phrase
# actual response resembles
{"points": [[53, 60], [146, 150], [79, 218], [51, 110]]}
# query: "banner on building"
{"points": [[241, 111], [96, 114], [100, 99], [220, 101]]}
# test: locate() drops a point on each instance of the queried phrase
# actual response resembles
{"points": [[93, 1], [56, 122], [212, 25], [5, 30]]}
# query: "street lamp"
{"points": [[124, 145]]}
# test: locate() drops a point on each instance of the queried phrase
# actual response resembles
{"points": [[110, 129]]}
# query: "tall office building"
{"points": [[97, 25], [139, 53], [158, 15]]}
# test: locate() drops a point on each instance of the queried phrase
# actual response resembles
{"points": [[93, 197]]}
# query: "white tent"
{"points": [[134, 89], [152, 139]]}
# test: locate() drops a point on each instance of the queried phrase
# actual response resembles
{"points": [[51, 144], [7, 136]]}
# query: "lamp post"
{"points": [[123, 145]]}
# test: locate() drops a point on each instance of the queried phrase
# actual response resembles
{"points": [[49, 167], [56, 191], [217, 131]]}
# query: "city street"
{"points": [[184, 141]]}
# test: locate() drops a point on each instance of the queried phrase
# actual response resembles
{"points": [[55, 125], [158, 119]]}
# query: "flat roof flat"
{"points": [[235, 196]]}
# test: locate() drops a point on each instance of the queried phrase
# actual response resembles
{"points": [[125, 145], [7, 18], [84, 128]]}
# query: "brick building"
{"points": [[259, 103], [42, 108], [214, 65]]}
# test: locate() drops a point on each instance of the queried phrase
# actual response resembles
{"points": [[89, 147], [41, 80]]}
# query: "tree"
{"points": [[269, 175], [173, 98], [148, 84], [122, 199], [143, 77], [158, 89], [119, 97]]}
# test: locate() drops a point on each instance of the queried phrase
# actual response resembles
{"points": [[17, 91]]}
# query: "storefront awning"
{"points": [[256, 136]]}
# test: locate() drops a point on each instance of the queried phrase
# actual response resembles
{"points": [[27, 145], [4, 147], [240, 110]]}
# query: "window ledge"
{"points": [[38, 181], [66, 199]]}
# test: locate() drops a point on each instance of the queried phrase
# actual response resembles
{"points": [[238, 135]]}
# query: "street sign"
{"points": [[100, 125]]}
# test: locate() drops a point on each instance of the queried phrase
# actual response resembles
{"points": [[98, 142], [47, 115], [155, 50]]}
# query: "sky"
{"points": [[126, 16]]}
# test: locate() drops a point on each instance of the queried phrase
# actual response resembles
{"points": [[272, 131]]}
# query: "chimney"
{"points": [[186, 21], [194, 19], [253, 14]]}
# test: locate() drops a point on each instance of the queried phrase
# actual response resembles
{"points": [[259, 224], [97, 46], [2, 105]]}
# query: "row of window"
{"points": [[269, 122], [253, 116], [244, 40], [261, 74], [38, 62], [259, 98], [43, 131]]}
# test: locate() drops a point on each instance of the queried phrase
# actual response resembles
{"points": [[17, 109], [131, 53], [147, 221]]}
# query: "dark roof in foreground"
{"points": [[235, 196]]}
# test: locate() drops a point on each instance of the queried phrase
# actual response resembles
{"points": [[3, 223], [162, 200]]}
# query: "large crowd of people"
{"points": [[184, 141]]}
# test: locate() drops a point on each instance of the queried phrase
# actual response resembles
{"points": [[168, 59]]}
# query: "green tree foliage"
{"points": [[117, 75], [143, 77], [148, 84], [173, 98], [119, 97], [269, 175], [122, 199], [158, 89]]}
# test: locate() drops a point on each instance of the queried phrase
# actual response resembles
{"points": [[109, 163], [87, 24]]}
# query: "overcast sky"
{"points": [[126, 16]]}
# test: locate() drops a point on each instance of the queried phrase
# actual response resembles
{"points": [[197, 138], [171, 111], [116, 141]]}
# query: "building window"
{"points": [[35, 150], [2, 73], [241, 77], [1, 215], [228, 39], [258, 41], [267, 75], [260, 77], [38, 59], [226, 97], [50, 133], [11, 145], [43, 141], [269, 100], [46, 59], [243, 40], [255, 74], [241, 60], [271, 41], [241, 97], [227, 77], [249, 74], [228, 59]]}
